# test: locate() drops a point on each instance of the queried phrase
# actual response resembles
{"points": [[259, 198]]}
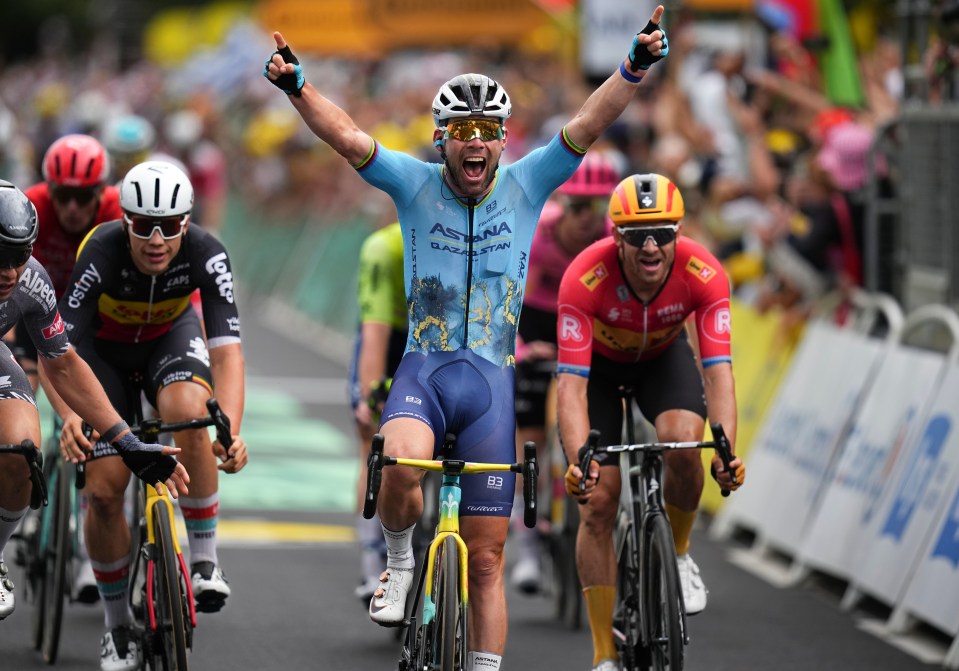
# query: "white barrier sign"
{"points": [[795, 445], [884, 431], [932, 491]]}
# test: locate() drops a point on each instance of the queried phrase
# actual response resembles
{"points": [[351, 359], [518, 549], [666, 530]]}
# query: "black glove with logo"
{"points": [[289, 82], [146, 460], [639, 56]]}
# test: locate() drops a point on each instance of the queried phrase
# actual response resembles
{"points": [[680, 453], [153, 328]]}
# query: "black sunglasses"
{"points": [[14, 257], [636, 236], [82, 195]]}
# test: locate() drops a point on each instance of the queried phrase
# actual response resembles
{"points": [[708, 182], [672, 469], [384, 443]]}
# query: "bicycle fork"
{"points": [[450, 495], [149, 551]]}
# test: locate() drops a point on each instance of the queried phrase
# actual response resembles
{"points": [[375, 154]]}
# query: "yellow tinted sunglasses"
{"points": [[465, 130]]}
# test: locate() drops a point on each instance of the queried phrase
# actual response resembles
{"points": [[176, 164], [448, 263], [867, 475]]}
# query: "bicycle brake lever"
{"points": [[374, 472], [530, 471], [725, 454], [222, 424], [586, 453]]}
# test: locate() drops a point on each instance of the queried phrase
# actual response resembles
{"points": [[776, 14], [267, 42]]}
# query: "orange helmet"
{"points": [[641, 199], [77, 161]]}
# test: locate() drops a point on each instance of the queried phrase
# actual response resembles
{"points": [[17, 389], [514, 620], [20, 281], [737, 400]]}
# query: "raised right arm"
{"points": [[327, 121]]}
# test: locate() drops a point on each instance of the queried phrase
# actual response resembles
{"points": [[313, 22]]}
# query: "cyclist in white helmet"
{"points": [[467, 228], [127, 310]]}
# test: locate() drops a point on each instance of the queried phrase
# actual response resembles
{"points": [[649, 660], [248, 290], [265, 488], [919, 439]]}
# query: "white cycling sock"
{"points": [[399, 547], [483, 661], [200, 516], [113, 582], [9, 521]]}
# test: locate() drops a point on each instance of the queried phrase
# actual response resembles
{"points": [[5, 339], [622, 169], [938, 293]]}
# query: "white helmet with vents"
{"points": [[156, 189], [471, 95]]}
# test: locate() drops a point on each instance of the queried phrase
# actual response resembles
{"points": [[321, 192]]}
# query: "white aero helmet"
{"points": [[471, 95], [156, 189]]}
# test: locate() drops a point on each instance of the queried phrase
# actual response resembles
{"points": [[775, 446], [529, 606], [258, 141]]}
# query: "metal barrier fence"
{"points": [[911, 242]]}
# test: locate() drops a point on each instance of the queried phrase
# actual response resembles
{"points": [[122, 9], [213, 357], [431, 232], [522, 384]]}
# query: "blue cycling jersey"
{"points": [[466, 261]]}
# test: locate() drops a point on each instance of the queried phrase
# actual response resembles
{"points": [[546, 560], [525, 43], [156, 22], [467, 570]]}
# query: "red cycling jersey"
{"points": [[55, 249], [599, 312]]}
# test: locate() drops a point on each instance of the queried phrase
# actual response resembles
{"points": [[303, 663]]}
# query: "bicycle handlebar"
{"points": [[529, 469], [150, 429], [34, 457], [720, 443]]}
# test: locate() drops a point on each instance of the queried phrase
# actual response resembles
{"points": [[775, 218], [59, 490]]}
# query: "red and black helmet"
{"points": [[76, 161]]}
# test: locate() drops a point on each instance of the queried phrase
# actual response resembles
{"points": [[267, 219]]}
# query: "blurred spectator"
{"points": [[186, 138], [129, 138], [941, 59]]}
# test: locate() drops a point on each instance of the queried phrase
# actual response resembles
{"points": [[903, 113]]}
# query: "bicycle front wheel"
{"points": [[172, 636], [444, 633], [663, 598], [59, 551]]}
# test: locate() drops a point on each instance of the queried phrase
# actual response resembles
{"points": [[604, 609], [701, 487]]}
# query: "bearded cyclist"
{"points": [[26, 294], [575, 219], [467, 228], [623, 308], [128, 312]]}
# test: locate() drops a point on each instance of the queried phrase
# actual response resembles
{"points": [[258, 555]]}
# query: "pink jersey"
{"points": [[599, 312], [547, 261]]}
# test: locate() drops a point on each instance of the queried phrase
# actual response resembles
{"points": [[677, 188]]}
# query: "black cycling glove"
{"points": [[145, 460], [639, 56], [289, 82]]}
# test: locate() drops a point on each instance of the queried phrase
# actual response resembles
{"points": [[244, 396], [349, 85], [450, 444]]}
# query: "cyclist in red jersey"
{"points": [[73, 198], [623, 309], [572, 221]]}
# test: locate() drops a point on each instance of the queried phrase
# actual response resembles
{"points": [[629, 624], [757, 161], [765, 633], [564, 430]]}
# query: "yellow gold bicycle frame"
{"points": [[154, 498], [449, 522]]}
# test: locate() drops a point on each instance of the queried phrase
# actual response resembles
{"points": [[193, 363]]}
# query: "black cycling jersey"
{"points": [[109, 295]]}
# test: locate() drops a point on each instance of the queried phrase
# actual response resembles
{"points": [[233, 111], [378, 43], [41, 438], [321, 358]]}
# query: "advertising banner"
{"points": [[881, 438], [796, 444], [931, 490], [762, 347]]}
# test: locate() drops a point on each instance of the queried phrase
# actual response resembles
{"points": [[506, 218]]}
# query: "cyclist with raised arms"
{"points": [[26, 294], [128, 312], [467, 227], [378, 349], [574, 221], [623, 308]]}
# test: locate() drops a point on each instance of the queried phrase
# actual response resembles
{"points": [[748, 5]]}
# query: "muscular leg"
{"points": [[684, 475], [485, 538], [400, 502], [187, 400], [108, 536], [19, 420]]}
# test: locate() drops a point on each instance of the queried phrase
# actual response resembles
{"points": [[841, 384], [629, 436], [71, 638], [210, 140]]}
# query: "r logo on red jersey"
{"points": [[55, 329]]}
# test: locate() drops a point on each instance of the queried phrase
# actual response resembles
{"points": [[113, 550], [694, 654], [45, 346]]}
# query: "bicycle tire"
{"points": [[663, 598], [627, 622], [569, 600], [58, 554], [450, 647], [171, 633]]}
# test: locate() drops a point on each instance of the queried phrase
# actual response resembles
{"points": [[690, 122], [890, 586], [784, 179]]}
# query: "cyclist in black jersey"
{"points": [[27, 295], [127, 310]]}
